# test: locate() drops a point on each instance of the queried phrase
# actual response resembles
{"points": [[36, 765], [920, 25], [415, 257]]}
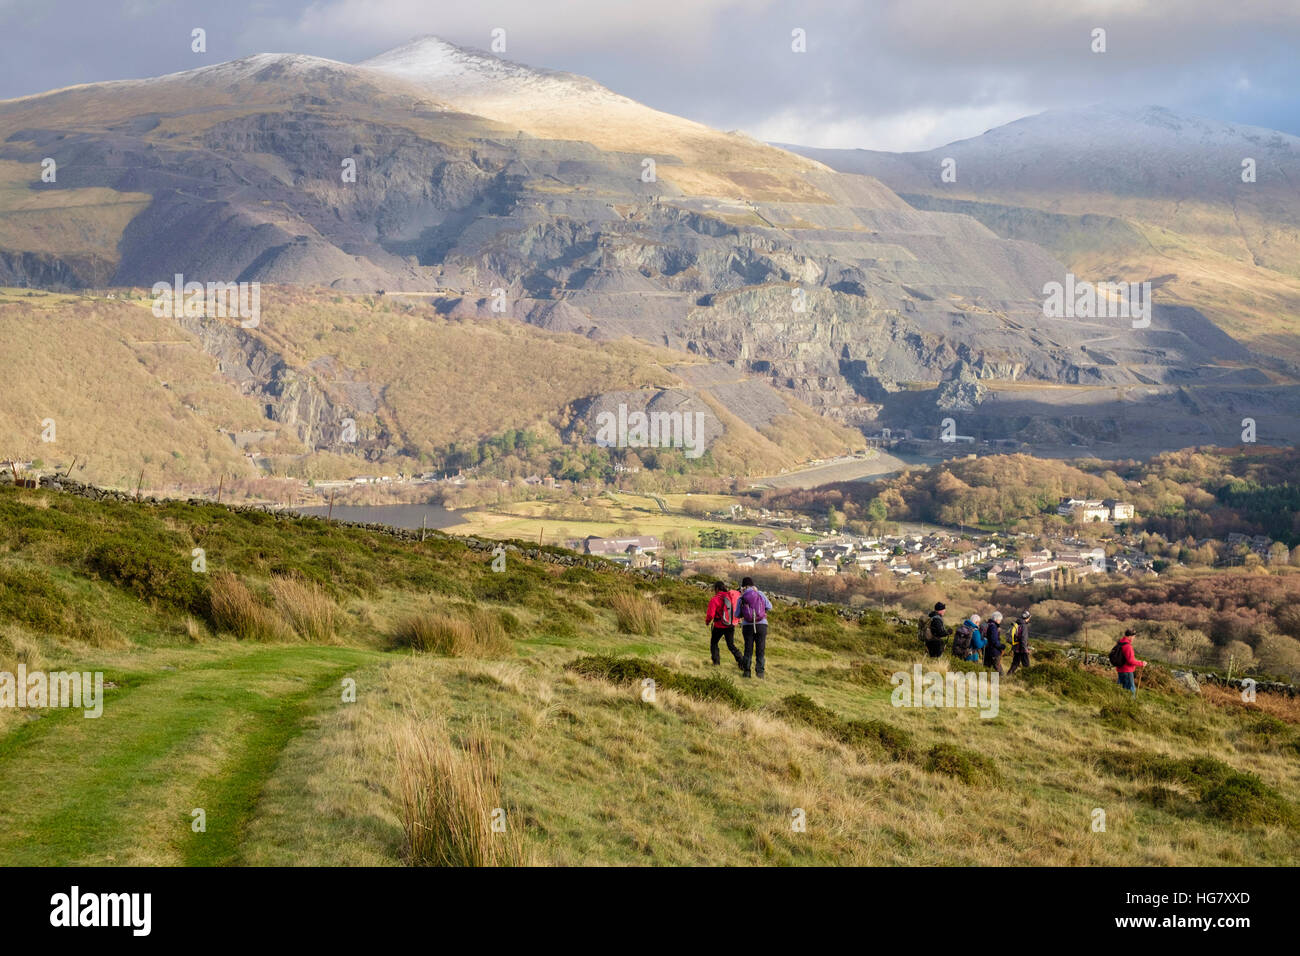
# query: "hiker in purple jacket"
{"points": [[754, 606]]}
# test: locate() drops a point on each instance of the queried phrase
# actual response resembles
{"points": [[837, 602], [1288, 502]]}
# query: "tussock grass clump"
{"points": [[507, 587], [1265, 732], [684, 599], [1223, 793], [1071, 683], [629, 670], [1197, 773], [802, 709], [636, 614], [1244, 800], [966, 765], [147, 567], [450, 797], [580, 575], [34, 599], [894, 741], [236, 609], [1165, 798], [1126, 714], [307, 607], [874, 735], [1193, 730], [31, 597], [15, 649], [472, 632], [822, 627]]}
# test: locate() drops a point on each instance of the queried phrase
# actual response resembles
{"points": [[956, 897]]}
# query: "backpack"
{"points": [[961, 641], [1117, 656], [1013, 635], [730, 612], [923, 630]]}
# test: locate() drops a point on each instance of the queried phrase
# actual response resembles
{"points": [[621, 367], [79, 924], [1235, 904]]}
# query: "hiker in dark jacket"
{"points": [[963, 639], [1130, 663], [722, 614], [1019, 643], [754, 606], [993, 642], [938, 631]]}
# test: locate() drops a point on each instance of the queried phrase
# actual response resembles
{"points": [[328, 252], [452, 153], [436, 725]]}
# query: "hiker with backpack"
{"points": [[722, 615], [963, 638], [993, 642], [935, 631], [754, 606], [1125, 661], [1019, 641]]}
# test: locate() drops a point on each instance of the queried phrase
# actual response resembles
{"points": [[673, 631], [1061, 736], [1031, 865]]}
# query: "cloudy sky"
{"points": [[881, 74]]}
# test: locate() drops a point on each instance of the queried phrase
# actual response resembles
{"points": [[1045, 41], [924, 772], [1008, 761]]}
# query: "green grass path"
{"points": [[120, 789]]}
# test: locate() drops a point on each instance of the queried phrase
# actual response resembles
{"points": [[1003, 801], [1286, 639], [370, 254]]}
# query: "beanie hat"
{"points": [[940, 606]]}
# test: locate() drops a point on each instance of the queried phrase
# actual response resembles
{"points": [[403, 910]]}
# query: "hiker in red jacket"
{"points": [[722, 615], [1126, 661]]}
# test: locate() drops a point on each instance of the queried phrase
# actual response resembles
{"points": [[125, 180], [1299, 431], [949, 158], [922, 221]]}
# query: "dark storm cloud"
{"points": [[906, 74]]}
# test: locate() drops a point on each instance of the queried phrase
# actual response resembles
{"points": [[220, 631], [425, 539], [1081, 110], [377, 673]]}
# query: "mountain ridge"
{"points": [[828, 285]]}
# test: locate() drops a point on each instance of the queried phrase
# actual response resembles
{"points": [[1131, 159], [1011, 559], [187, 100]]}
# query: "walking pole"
{"points": [[138, 485], [330, 515], [220, 486]]}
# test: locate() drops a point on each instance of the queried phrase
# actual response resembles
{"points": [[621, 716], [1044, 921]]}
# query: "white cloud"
{"points": [[530, 26], [909, 131]]}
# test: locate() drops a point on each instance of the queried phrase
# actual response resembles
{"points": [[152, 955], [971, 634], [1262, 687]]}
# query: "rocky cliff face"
{"points": [[340, 417]]}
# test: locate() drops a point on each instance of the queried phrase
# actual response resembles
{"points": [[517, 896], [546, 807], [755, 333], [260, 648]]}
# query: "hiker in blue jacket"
{"points": [[977, 642], [754, 606]]}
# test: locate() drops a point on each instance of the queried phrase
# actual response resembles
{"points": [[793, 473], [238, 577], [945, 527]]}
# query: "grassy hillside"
{"points": [[227, 693], [128, 391], [77, 222]]}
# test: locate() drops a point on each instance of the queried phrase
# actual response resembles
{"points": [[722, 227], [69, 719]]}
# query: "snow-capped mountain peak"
{"points": [[455, 71]]}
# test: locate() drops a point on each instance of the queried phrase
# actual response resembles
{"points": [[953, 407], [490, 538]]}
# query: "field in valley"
{"points": [[611, 515]]}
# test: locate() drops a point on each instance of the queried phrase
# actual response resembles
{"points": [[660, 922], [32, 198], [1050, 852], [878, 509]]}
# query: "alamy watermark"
{"points": [[1074, 299], [38, 690], [195, 300], [639, 429], [976, 689]]}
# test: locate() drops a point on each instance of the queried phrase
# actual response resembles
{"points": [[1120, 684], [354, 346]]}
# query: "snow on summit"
{"points": [[455, 71]]}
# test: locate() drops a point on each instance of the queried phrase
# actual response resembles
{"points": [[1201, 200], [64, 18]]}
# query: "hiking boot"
{"points": [[744, 673], [761, 675]]}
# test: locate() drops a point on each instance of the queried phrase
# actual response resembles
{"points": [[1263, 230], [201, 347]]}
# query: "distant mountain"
{"points": [[1132, 192], [499, 189]]}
